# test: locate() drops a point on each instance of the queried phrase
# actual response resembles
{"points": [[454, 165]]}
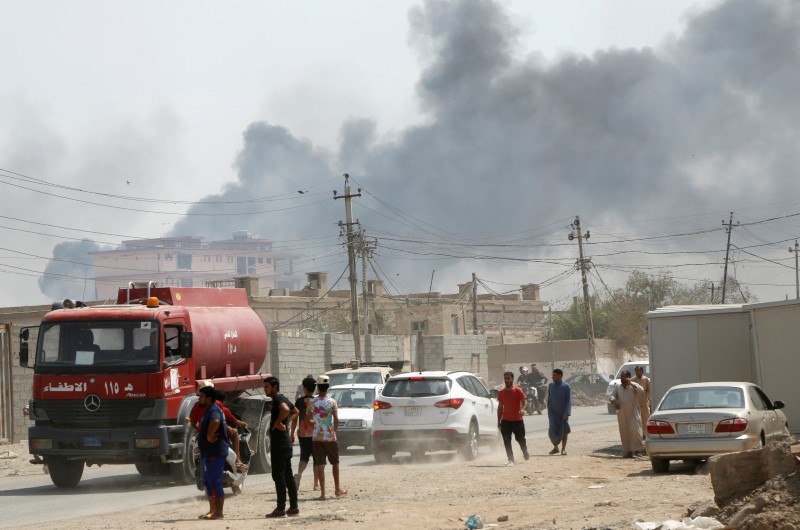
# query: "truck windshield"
{"points": [[99, 347]]}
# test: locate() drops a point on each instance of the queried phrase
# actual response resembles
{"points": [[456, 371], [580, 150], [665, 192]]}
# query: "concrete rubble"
{"points": [[755, 490]]}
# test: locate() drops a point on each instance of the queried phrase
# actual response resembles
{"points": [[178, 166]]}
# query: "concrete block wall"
{"points": [[456, 352], [293, 355], [22, 384]]}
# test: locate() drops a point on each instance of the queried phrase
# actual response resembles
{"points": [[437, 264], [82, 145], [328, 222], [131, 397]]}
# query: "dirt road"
{"points": [[591, 487]]}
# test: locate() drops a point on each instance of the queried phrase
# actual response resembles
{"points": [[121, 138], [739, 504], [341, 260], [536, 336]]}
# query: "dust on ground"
{"points": [[591, 487]]}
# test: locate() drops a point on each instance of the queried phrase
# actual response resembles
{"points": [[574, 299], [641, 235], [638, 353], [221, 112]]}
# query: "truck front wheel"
{"points": [[65, 473], [260, 462], [183, 472]]}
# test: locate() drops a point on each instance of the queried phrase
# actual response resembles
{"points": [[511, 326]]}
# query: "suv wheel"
{"points": [[382, 456], [471, 445]]}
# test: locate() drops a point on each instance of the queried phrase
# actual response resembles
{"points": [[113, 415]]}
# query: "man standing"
{"points": [[559, 409], [325, 415], [511, 406], [281, 449], [644, 400], [304, 426], [212, 440], [233, 424], [625, 399]]}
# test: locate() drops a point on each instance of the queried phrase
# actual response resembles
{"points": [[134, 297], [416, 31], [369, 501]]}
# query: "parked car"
{"points": [[698, 420], [354, 403], [430, 411], [629, 366], [375, 375], [588, 383]]}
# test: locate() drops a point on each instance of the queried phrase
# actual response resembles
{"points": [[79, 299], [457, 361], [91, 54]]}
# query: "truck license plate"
{"points": [[413, 411], [696, 428], [91, 441]]}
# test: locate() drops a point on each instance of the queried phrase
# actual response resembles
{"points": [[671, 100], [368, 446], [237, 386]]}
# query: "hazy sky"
{"points": [[468, 123]]}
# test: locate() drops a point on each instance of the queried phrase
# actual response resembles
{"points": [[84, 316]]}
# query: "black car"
{"points": [[589, 384]]}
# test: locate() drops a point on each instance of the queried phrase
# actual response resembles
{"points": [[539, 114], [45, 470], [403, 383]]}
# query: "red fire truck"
{"points": [[116, 383]]}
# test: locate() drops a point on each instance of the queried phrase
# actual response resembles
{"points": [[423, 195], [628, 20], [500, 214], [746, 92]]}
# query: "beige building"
{"points": [[187, 261], [318, 309]]}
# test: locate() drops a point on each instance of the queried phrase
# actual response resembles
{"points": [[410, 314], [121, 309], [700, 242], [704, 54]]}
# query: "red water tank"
{"points": [[228, 336]]}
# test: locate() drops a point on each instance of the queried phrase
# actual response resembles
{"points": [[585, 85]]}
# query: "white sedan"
{"points": [[698, 420], [354, 403]]}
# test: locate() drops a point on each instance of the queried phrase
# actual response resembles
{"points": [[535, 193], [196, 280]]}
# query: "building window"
{"points": [[269, 261], [419, 325], [260, 261], [219, 259], [184, 262], [230, 259], [168, 256], [207, 259], [186, 282], [454, 324]]}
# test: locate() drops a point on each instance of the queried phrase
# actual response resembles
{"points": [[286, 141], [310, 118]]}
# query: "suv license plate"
{"points": [[413, 411], [696, 428], [91, 441]]}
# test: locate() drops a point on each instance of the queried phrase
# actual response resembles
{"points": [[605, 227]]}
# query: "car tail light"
{"points": [[731, 425], [454, 403], [381, 405], [659, 427]]}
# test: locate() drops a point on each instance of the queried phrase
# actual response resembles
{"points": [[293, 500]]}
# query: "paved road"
{"points": [[33, 499]]}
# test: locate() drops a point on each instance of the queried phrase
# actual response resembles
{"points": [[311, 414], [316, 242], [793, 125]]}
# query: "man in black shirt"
{"points": [[283, 411]]}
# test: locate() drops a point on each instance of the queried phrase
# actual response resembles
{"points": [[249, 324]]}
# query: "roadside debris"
{"points": [[474, 521], [685, 523]]}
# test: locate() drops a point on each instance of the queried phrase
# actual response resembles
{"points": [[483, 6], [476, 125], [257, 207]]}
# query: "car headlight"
{"points": [[356, 424]]}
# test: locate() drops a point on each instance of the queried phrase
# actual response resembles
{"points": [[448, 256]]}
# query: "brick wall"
{"points": [[455, 352]]}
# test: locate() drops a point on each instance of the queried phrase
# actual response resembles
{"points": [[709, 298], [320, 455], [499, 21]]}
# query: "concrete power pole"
{"points": [[474, 304], [351, 257], [728, 228], [796, 273], [584, 264]]}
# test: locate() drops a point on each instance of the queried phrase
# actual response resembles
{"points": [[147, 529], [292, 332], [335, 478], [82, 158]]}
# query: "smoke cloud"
{"points": [[512, 141]]}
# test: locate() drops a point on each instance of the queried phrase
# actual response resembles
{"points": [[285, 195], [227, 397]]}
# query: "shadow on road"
{"points": [[115, 484]]}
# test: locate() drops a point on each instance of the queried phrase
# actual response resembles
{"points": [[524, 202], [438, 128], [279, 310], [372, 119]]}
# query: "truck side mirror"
{"points": [[186, 344], [23, 353], [24, 335]]}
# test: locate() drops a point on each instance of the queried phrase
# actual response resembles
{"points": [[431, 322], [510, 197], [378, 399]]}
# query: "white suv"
{"points": [[430, 411], [629, 366]]}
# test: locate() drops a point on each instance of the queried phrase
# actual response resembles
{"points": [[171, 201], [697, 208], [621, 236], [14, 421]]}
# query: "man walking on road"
{"points": [[644, 399], [281, 449], [625, 399], [559, 409], [326, 422], [511, 406]]}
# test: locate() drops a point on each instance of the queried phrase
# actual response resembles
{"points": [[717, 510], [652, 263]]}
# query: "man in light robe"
{"points": [[644, 400], [625, 399]]}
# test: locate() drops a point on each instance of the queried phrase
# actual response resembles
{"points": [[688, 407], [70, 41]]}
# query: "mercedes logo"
{"points": [[92, 402]]}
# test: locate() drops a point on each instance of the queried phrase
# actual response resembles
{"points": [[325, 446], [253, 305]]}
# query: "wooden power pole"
{"points": [[584, 264]]}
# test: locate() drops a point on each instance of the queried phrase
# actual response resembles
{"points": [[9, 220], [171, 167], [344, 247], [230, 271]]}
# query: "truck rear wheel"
{"points": [[65, 473], [260, 462], [183, 472]]}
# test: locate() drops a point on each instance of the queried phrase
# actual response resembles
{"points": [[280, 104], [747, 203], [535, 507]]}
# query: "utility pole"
{"points": [[796, 273], [474, 304], [351, 257], [728, 228], [584, 264]]}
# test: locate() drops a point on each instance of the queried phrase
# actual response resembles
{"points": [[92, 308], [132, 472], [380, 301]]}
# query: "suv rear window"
{"points": [[373, 378], [421, 387]]}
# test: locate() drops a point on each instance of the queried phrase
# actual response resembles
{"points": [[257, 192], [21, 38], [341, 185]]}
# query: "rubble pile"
{"points": [[776, 504], [582, 399], [755, 490]]}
